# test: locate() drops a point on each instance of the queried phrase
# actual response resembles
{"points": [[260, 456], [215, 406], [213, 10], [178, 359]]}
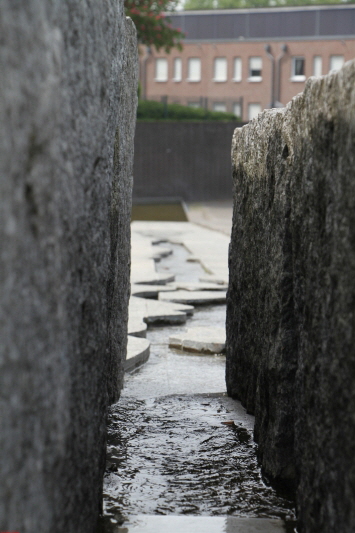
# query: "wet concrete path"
{"points": [[181, 455]]}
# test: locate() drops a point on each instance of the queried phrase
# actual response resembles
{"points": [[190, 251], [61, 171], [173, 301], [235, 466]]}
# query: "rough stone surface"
{"points": [[67, 104], [290, 307]]}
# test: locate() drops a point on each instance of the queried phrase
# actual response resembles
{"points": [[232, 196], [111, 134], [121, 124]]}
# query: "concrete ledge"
{"points": [[138, 351], [201, 524]]}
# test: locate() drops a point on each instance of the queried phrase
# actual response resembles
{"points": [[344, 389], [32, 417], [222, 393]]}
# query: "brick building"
{"points": [[243, 61]]}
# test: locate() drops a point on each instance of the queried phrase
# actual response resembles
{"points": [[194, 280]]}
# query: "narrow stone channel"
{"points": [[179, 447]]}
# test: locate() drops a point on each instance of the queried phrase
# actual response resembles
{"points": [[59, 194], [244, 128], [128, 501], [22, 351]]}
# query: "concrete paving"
{"points": [[200, 340], [213, 215], [210, 247], [194, 286], [200, 524]]}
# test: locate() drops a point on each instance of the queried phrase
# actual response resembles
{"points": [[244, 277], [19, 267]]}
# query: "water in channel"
{"points": [[169, 450]]}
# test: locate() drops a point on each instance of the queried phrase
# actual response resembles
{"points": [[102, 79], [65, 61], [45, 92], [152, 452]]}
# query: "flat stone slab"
{"points": [[200, 524], [210, 278], [194, 286], [136, 326], [156, 312], [148, 291], [138, 350], [154, 278], [210, 247], [201, 340], [194, 297]]}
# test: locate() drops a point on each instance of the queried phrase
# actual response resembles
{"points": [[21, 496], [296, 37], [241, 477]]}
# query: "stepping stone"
{"points": [[194, 286], [194, 297], [148, 291], [156, 312], [136, 326], [154, 278], [201, 340], [137, 352], [200, 524], [158, 253], [210, 278]]}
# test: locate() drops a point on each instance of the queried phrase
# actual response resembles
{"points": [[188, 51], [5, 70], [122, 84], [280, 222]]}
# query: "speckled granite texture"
{"points": [[68, 96], [290, 311]]}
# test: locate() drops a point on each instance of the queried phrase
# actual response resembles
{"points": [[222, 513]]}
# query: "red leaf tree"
{"points": [[153, 24]]}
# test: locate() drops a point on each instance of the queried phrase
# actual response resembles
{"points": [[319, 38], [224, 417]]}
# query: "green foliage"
{"points": [[239, 4], [153, 26], [149, 110]]}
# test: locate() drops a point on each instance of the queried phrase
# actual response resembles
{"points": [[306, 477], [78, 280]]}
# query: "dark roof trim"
{"points": [[326, 22]]}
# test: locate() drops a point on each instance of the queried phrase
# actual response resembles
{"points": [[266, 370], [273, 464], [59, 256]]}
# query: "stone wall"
{"points": [[291, 300], [67, 112]]}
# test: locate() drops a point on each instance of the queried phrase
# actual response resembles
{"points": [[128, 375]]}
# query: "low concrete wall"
{"points": [[189, 160], [290, 313], [67, 112]]}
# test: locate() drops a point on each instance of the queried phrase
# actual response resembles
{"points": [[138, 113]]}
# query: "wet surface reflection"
{"points": [[177, 445]]}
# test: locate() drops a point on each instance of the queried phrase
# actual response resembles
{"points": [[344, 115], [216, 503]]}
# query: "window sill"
{"points": [[193, 81], [237, 80], [218, 81], [160, 81], [255, 79], [298, 78], [176, 81]]}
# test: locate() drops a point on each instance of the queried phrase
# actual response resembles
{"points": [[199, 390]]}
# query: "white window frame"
{"points": [[254, 114], [220, 104], [255, 64], [194, 76], [177, 65], [161, 72], [220, 69], [237, 69], [240, 110], [335, 57], [317, 66], [294, 76]]}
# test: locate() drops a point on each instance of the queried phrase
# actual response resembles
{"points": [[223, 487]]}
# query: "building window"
{"points": [[161, 69], [255, 67], [237, 110], [317, 66], [237, 75], [177, 69], [220, 69], [298, 69], [193, 104], [253, 110], [219, 106], [194, 69], [336, 62]]}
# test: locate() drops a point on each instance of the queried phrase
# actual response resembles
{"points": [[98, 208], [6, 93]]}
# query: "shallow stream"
{"points": [[177, 445]]}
